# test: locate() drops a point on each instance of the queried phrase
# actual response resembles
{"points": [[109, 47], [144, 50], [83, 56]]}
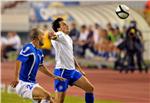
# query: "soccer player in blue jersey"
{"points": [[29, 61], [66, 65]]}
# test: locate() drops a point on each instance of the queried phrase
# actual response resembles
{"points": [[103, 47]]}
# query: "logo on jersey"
{"points": [[60, 87]]}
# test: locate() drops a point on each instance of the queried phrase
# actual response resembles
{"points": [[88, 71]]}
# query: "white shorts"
{"points": [[25, 89]]}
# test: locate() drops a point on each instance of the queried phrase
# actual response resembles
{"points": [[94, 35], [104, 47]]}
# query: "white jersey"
{"points": [[63, 46]]}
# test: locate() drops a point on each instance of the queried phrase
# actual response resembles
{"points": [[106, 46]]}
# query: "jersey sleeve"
{"points": [[24, 54], [60, 36]]}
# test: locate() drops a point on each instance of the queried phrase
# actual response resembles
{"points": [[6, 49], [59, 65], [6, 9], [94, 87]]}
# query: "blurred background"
{"points": [[105, 45]]}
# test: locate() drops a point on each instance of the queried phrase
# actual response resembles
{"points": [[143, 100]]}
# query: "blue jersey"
{"points": [[31, 58]]}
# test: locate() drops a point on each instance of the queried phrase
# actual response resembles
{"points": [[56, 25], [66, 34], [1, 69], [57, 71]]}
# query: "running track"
{"points": [[109, 85]]}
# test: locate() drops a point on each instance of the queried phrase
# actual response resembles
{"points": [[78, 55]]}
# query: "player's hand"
{"points": [[52, 35], [14, 83], [59, 78]]}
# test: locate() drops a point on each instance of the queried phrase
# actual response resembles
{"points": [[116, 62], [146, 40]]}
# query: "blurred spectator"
{"points": [[118, 32], [112, 35], [74, 33], [135, 47], [119, 36], [90, 40], [46, 48], [86, 40], [101, 46], [96, 33], [13, 44], [83, 35], [105, 46], [3, 41], [109, 26], [90, 37], [82, 40]]}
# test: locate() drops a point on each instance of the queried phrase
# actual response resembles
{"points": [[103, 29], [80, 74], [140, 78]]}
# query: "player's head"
{"points": [[37, 36], [60, 25]]}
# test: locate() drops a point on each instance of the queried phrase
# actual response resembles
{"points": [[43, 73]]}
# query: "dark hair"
{"points": [[34, 33], [112, 29], [83, 26], [56, 25], [97, 25]]}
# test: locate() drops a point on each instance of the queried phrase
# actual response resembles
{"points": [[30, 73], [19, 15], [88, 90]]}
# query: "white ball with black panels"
{"points": [[122, 11]]}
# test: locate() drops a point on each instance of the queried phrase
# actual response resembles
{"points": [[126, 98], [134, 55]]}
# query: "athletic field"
{"points": [[13, 98], [109, 86]]}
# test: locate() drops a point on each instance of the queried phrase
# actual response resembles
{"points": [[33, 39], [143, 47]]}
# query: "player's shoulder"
{"points": [[59, 37], [60, 33], [40, 52], [27, 47]]}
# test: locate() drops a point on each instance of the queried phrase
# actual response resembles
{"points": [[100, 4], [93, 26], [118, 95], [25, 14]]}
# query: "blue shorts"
{"points": [[70, 75]]}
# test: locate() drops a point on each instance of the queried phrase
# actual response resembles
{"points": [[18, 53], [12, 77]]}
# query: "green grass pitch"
{"points": [[13, 98]]}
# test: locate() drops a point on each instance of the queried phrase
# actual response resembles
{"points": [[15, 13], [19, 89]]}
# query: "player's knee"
{"points": [[46, 96], [90, 88]]}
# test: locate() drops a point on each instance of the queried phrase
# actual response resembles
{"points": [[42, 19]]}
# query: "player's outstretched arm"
{"points": [[17, 70], [44, 70], [78, 66], [53, 36]]}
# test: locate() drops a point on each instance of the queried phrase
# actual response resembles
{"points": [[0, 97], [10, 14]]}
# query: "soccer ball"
{"points": [[122, 11]]}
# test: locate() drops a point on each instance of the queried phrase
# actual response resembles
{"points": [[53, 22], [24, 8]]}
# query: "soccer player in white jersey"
{"points": [[66, 65], [29, 61]]}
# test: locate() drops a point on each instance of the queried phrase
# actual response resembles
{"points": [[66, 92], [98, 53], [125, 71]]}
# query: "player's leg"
{"points": [[60, 86], [59, 97], [85, 84], [40, 94]]}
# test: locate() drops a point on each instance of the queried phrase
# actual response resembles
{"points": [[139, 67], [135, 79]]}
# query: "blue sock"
{"points": [[89, 97]]}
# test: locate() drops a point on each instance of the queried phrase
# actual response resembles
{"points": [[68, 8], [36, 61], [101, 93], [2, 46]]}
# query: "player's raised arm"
{"points": [[53, 36], [78, 66], [44, 70], [17, 70]]}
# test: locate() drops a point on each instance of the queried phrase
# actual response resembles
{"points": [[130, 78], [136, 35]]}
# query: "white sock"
{"points": [[45, 101]]}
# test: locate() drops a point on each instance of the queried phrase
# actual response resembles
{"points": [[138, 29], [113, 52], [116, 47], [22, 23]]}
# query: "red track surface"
{"points": [[109, 85]]}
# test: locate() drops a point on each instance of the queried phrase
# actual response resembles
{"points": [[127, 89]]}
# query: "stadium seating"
{"points": [[88, 15]]}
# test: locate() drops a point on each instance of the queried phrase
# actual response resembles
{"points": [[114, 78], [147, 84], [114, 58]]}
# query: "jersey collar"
{"points": [[32, 44]]}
